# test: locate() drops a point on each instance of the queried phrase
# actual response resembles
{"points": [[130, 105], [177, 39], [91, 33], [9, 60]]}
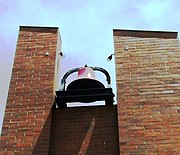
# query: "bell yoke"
{"points": [[85, 88]]}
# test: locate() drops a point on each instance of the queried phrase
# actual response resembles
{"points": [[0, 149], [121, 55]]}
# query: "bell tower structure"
{"points": [[145, 120]]}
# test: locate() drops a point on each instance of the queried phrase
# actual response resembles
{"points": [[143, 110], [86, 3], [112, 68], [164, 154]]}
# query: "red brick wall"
{"points": [[85, 131], [27, 118], [148, 83]]}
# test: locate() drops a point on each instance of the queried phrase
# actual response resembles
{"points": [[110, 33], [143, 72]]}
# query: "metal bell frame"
{"points": [[84, 90]]}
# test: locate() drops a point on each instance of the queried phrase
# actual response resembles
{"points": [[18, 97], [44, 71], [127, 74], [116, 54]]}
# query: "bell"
{"points": [[85, 88], [86, 79]]}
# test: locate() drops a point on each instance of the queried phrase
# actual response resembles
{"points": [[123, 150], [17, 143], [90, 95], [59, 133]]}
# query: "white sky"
{"points": [[86, 29]]}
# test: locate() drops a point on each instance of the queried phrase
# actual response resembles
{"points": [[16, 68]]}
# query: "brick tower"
{"points": [[27, 118], [148, 83]]}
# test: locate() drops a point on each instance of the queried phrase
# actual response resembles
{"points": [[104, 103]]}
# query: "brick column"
{"points": [[148, 83], [27, 120]]}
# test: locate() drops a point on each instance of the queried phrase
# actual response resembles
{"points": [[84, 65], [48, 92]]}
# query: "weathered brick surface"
{"points": [[84, 131], [27, 118], [148, 83]]}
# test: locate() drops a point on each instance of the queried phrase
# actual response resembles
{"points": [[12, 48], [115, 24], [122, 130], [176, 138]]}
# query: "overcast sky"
{"points": [[86, 28]]}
